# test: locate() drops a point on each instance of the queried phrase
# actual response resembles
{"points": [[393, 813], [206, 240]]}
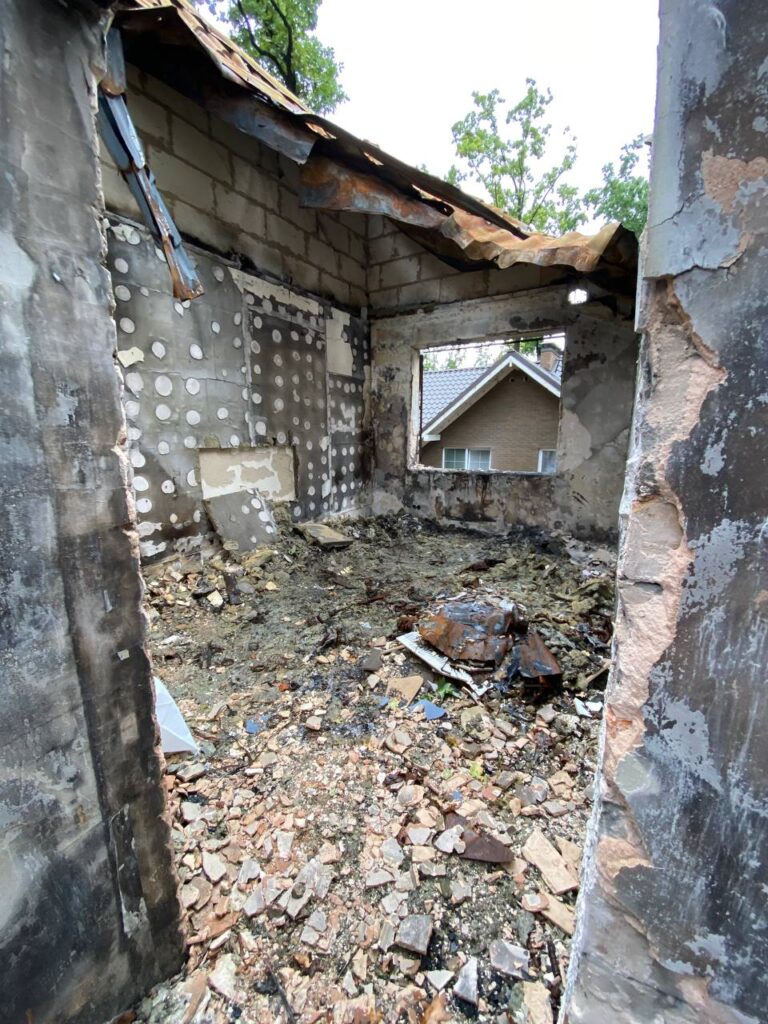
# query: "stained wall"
{"points": [[219, 388], [672, 919], [596, 407], [89, 917]]}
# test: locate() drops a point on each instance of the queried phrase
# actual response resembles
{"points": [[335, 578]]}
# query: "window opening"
{"points": [[491, 406]]}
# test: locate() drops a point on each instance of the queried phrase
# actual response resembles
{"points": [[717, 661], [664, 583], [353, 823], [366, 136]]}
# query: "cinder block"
{"points": [[322, 255], [298, 215], [333, 232], [419, 292], [382, 249], [203, 226], [245, 146], [399, 272], [358, 249], [240, 211], [302, 273], [178, 104], [252, 181], [384, 299], [117, 195], [375, 225], [265, 257], [180, 180], [334, 288], [352, 272], [281, 233], [473, 285], [201, 151], [150, 118]]}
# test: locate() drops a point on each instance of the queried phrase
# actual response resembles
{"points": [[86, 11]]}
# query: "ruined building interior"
{"points": [[213, 305]]}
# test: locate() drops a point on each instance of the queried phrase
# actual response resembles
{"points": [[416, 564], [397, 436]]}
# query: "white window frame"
{"points": [[465, 468], [553, 452]]}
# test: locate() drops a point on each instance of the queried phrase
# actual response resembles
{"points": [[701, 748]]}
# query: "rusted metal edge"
{"points": [[120, 136], [328, 185], [456, 227]]}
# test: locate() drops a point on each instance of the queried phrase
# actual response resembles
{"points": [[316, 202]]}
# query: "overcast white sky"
{"points": [[410, 67]]}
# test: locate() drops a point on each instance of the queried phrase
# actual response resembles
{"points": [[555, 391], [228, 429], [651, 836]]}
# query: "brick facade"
{"points": [[514, 419]]}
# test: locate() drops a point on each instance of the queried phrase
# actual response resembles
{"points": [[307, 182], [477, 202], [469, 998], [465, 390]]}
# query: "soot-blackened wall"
{"points": [[673, 924], [89, 916], [249, 367]]}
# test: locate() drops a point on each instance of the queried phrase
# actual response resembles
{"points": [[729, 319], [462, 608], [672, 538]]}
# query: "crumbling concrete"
{"points": [[89, 917], [672, 920], [596, 407]]}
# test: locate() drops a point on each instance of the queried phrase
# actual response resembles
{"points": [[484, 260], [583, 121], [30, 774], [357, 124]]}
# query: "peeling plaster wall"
{"points": [[89, 917], [672, 924], [596, 408], [242, 369]]}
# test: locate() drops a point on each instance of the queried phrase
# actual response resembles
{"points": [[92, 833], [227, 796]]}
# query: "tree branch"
{"points": [[290, 72], [265, 54]]}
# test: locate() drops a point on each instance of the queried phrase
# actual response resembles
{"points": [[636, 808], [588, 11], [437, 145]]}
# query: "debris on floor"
{"points": [[361, 837]]}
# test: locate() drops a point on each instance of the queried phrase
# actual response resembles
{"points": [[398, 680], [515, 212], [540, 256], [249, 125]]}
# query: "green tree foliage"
{"points": [[280, 35], [623, 195], [512, 162]]}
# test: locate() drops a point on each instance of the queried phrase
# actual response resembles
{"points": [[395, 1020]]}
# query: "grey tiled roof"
{"points": [[441, 387]]}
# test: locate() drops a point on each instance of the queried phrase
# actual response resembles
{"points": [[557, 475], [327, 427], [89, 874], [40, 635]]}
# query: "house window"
{"points": [[467, 458], [547, 460]]}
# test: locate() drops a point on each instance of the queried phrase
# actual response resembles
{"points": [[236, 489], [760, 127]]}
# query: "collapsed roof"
{"points": [[340, 172]]}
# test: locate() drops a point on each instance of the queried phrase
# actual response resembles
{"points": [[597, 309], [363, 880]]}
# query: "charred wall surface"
{"points": [[251, 370], [596, 408], [673, 921], [89, 917]]}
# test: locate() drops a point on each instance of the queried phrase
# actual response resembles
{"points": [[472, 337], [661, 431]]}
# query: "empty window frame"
{"points": [[467, 458], [502, 397], [547, 460]]}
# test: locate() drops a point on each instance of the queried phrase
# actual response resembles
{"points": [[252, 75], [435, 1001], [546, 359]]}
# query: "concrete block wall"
{"points": [[234, 194], [89, 916], [403, 275]]}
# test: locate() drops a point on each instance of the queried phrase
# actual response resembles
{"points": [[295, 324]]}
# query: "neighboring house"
{"points": [[501, 417]]}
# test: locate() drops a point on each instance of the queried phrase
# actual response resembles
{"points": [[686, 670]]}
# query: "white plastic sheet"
{"points": [[175, 736]]}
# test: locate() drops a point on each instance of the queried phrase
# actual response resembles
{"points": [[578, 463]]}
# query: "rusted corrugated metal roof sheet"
{"points": [[343, 172]]}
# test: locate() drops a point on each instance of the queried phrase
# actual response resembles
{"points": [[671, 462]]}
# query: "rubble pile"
{"points": [[362, 838]]}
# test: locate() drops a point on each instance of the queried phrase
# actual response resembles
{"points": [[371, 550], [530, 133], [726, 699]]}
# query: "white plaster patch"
{"points": [[122, 293], [339, 354], [163, 385], [193, 417], [196, 352], [270, 470], [126, 325], [192, 386], [574, 443], [270, 292], [158, 349], [134, 382], [132, 409], [129, 356], [121, 265], [163, 412], [163, 447]]}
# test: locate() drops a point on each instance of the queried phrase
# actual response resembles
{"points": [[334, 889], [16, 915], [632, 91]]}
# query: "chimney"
{"points": [[549, 353]]}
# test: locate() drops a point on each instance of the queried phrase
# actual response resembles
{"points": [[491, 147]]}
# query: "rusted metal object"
{"points": [[122, 140], [478, 631], [535, 660], [478, 847], [353, 174], [328, 185]]}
